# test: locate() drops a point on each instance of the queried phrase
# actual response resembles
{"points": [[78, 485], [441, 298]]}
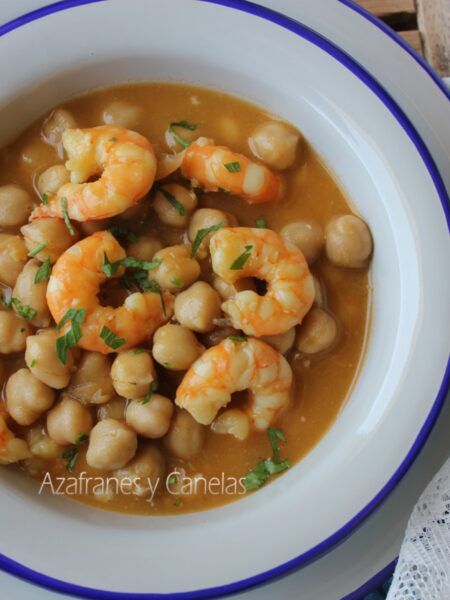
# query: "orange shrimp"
{"points": [[125, 161], [12, 449], [75, 282], [238, 252], [235, 366], [217, 167]]}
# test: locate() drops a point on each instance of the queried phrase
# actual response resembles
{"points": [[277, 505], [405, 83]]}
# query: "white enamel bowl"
{"points": [[386, 172]]}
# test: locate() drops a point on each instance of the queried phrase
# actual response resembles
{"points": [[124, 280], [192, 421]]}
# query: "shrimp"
{"points": [[125, 161], [75, 282], [217, 168], [12, 449], [233, 366], [239, 252]]}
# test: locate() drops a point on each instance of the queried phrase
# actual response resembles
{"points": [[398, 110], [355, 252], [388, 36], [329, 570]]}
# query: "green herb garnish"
{"points": [[45, 199], [43, 273], [152, 389], [242, 259], [238, 338], [36, 250], [113, 139], [177, 502], [153, 286], [261, 223], [22, 329], [71, 456], [25, 311], [71, 338], [110, 338], [81, 438], [122, 233], [33, 363], [274, 435], [184, 125], [270, 466], [201, 234], [233, 167], [66, 216], [173, 201], [176, 281], [224, 191], [139, 350], [110, 268]]}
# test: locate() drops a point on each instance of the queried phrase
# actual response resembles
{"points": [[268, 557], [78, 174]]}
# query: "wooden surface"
{"points": [[424, 24]]}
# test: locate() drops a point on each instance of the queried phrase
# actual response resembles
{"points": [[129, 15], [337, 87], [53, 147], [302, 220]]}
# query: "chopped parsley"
{"points": [[36, 250], [71, 456], [176, 281], [259, 475], [224, 191], [110, 268], [238, 338], [44, 271], [242, 259], [111, 339], [66, 216], [177, 502], [173, 201], [45, 199], [81, 438], [139, 350], [261, 223], [184, 125], [33, 363], [233, 167], [274, 436], [113, 139], [201, 234], [70, 339], [122, 233], [152, 389], [25, 311]]}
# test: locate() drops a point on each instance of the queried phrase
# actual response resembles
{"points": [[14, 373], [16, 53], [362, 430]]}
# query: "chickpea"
{"points": [[13, 332], [35, 155], [51, 232], [15, 206], [43, 362], [144, 248], [202, 219], [52, 179], [123, 114], [197, 307], [230, 131], [187, 134], [151, 420], [145, 470], [169, 214], [176, 347], [185, 437], [27, 397], [33, 294], [317, 333], [275, 144], [319, 294], [67, 421], [55, 124], [282, 342], [307, 235], [41, 444], [227, 290], [112, 444], [234, 422], [348, 242], [177, 269], [114, 409], [91, 383], [13, 256], [132, 372]]}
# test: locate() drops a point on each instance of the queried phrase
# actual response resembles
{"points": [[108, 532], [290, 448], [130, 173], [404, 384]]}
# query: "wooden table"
{"points": [[424, 24]]}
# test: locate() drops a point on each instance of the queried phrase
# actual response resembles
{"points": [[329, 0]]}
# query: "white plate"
{"points": [[353, 187]]}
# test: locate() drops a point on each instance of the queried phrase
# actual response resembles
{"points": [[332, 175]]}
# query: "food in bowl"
{"points": [[185, 298]]}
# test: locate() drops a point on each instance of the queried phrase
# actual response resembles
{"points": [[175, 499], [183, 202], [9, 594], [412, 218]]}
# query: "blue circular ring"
{"points": [[15, 568]]}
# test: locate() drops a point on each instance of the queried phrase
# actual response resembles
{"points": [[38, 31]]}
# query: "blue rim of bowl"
{"points": [[23, 572]]}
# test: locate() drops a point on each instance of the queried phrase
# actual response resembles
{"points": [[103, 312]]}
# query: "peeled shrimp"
{"points": [[12, 449], [290, 285], [125, 161], [75, 282], [233, 366], [215, 168]]}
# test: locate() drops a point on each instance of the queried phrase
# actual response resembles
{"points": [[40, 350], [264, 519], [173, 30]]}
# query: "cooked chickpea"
{"points": [[13, 332], [186, 437], [152, 419], [67, 421], [33, 294], [275, 144], [227, 290], [176, 347], [282, 342], [348, 242], [167, 212], [27, 397], [51, 232], [35, 155], [91, 383], [55, 124], [145, 470], [114, 409], [197, 307], [43, 362], [13, 256], [230, 131], [123, 114], [317, 333], [233, 422], [144, 248], [132, 372], [15, 206], [319, 294], [307, 235], [41, 444], [202, 219], [112, 444], [177, 269], [188, 135], [52, 179]]}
